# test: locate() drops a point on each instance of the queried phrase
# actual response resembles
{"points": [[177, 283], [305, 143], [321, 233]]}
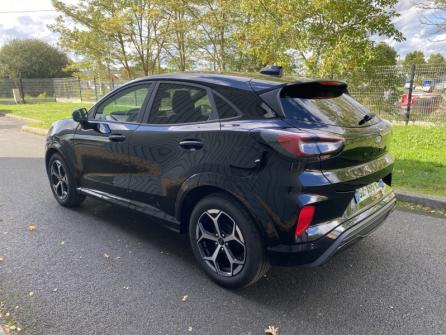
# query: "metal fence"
{"points": [[397, 93], [54, 90], [415, 93]]}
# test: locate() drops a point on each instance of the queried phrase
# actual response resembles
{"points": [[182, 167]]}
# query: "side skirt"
{"points": [[167, 220]]}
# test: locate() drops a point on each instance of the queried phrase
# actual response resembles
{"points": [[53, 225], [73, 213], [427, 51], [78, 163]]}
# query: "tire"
{"points": [[63, 183], [237, 239]]}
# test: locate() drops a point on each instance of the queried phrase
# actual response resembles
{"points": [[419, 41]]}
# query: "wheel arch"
{"points": [[50, 152], [57, 148], [196, 188]]}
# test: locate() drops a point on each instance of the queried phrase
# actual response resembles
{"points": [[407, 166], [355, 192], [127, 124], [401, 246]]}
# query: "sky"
{"points": [[34, 25]]}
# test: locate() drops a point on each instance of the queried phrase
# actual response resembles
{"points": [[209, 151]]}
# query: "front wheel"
{"points": [[226, 242], [62, 182]]}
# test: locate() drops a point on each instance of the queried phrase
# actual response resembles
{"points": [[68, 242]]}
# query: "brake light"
{"points": [[306, 215], [331, 83], [300, 144], [405, 98]]}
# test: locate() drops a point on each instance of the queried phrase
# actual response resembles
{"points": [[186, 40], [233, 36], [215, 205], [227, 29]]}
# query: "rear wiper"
{"points": [[366, 118]]}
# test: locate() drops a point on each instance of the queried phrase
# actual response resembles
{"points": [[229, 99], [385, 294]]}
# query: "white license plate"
{"points": [[367, 191]]}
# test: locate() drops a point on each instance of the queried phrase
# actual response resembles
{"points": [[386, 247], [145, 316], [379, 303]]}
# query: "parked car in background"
{"points": [[422, 102], [255, 171]]}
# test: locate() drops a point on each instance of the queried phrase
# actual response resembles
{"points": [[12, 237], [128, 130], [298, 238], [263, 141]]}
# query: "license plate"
{"points": [[368, 191]]}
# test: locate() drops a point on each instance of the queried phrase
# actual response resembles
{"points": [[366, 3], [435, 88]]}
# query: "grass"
{"points": [[420, 154], [420, 151], [45, 113]]}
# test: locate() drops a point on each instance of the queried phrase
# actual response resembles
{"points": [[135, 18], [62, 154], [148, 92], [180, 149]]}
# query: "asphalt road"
{"points": [[393, 282]]}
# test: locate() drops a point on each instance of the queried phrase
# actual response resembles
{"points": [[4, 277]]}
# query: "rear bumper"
{"points": [[317, 252]]}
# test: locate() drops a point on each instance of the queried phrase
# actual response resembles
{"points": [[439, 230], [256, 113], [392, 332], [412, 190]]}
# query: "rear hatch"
{"points": [[326, 106]]}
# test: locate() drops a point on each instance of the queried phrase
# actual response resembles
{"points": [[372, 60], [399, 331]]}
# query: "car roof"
{"points": [[243, 81]]}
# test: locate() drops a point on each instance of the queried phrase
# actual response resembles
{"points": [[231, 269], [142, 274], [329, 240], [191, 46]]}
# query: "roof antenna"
{"points": [[272, 70]]}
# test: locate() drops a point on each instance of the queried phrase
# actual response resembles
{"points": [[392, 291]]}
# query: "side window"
{"points": [[176, 103], [125, 106], [225, 110]]}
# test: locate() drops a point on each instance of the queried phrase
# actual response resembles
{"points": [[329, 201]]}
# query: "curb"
{"points": [[18, 117], [425, 200], [35, 131]]}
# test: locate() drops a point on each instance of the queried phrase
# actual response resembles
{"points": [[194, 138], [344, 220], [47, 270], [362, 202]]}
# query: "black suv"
{"points": [[256, 171]]}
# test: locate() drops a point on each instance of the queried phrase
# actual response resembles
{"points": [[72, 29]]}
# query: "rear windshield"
{"points": [[343, 110]]}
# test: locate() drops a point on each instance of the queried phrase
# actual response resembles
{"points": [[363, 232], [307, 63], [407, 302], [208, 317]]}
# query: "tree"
{"points": [[32, 58], [317, 37], [436, 58], [383, 54], [214, 22], [330, 36], [414, 57], [95, 29]]}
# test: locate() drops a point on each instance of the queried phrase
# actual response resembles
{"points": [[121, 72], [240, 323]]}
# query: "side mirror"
{"points": [[80, 115]]}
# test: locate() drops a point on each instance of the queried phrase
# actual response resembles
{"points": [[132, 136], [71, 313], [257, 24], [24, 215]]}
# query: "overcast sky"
{"points": [[34, 24]]}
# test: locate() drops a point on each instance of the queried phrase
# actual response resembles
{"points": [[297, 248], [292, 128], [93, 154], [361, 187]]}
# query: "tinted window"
{"points": [[225, 110], [176, 103], [124, 106], [246, 101], [341, 111]]}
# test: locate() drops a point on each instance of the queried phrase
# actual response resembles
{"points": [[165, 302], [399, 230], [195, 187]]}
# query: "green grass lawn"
{"points": [[45, 113], [420, 151], [420, 154]]}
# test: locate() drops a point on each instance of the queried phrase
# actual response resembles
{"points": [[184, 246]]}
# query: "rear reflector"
{"points": [[304, 220]]}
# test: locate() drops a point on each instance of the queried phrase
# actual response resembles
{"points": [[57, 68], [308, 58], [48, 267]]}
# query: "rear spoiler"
{"points": [[314, 89]]}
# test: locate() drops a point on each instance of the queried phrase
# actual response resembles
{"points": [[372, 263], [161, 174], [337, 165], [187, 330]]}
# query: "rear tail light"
{"points": [[300, 144], [405, 98], [304, 220]]}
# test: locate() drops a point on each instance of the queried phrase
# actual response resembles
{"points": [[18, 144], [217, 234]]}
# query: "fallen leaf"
{"points": [[272, 330], [184, 298], [31, 227], [106, 255]]}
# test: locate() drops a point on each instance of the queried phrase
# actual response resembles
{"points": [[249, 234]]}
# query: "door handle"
{"points": [[116, 138], [191, 144]]}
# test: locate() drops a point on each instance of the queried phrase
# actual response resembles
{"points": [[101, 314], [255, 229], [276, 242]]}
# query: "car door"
{"points": [[175, 141], [102, 146]]}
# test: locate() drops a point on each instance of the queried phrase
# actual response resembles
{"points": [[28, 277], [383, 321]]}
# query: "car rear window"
{"points": [[342, 110]]}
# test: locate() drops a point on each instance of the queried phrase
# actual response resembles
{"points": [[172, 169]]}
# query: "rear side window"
{"points": [[177, 103], [225, 110], [342, 110]]}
